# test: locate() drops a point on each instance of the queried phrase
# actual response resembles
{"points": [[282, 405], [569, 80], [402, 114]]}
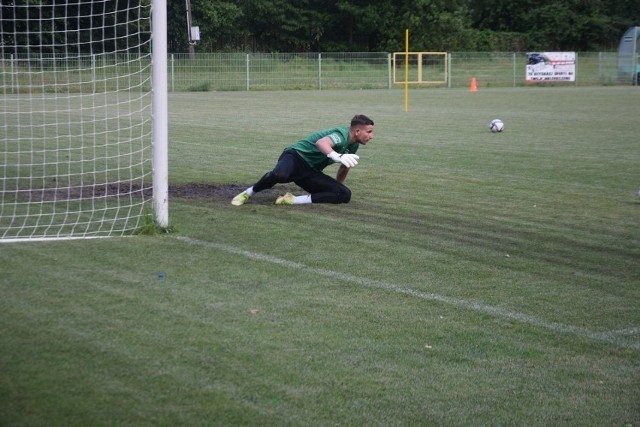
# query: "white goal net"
{"points": [[76, 127]]}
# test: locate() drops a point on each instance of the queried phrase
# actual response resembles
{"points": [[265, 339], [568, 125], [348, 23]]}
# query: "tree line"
{"points": [[42, 27], [94, 26], [379, 25]]}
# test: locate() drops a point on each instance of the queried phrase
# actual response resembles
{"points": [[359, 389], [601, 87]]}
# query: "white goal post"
{"points": [[83, 100]]}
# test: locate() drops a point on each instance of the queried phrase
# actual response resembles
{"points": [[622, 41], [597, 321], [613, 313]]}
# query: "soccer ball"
{"points": [[496, 126]]}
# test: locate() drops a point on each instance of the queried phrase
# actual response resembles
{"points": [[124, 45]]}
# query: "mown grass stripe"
{"points": [[610, 337]]}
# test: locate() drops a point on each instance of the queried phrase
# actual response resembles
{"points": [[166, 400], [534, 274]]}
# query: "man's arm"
{"points": [[325, 145], [342, 173]]}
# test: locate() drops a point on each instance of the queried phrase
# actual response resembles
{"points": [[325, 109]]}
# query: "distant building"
{"points": [[629, 57]]}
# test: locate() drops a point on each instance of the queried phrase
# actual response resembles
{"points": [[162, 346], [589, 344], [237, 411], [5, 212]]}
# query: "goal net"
{"points": [[76, 128]]}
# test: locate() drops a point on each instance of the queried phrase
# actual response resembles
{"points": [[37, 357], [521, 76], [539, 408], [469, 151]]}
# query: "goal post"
{"points": [[160, 114], [84, 123], [423, 67]]}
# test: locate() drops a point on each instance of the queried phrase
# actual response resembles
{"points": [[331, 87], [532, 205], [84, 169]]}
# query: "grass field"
{"points": [[475, 279]]}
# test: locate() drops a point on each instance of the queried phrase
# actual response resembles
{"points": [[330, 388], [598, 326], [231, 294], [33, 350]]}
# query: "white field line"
{"points": [[611, 337], [628, 331]]}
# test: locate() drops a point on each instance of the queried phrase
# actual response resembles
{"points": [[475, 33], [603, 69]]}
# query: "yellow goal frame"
{"points": [[419, 57]]}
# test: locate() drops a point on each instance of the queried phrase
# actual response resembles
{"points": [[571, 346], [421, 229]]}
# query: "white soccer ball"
{"points": [[496, 126]]}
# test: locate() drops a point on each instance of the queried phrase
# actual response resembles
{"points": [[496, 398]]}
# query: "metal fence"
{"points": [[283, 71], [318, 71]]}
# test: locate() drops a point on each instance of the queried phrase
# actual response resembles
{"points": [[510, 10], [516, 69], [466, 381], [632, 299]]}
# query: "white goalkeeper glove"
{"points": [[347, 159]]}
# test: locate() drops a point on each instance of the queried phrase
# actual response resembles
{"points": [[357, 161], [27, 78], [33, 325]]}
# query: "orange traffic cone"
{"points": [[474, 85]]}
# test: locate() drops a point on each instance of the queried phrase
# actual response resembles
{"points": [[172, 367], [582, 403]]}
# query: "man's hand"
{"points": [[347, 159]]}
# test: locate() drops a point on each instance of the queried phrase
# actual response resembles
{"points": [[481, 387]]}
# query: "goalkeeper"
{"points": [[303, 162]]}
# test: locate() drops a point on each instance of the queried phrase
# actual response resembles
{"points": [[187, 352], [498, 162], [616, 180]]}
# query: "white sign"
{"points": [[195, 34], [551, 67]]}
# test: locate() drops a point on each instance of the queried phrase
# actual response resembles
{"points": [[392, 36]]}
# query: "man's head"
{"points": [[361, 130]]}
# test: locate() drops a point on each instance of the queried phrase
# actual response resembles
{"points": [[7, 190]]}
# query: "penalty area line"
{"points": [[608, 337]]}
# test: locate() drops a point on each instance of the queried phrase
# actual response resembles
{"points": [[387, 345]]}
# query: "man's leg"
{"points": [[289, 167], [325, 189], [280, 174]]}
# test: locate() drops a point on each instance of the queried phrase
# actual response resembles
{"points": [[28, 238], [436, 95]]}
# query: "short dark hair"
{"points": [[361, 120]]}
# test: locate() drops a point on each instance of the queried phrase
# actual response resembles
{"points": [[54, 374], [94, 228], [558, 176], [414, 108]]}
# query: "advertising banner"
{"points": [[551, 67]]}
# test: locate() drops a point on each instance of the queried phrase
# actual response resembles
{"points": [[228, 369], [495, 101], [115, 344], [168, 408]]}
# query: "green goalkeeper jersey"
{"points": [[315, 158]]}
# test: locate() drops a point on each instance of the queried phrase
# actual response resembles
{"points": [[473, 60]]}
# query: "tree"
{"points": [[556, 24], [49, 27], [359, 25], [435, 25], [280, 25], [218, 22], [365, 25]]}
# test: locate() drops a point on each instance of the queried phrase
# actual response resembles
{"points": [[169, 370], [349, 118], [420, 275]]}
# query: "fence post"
{"points": [[514, 68], [450, 62], [247, 76], [13, 75], [93, 73], [576, 68], [389, 71], [173, 73], [600, 66], [319, 71]]}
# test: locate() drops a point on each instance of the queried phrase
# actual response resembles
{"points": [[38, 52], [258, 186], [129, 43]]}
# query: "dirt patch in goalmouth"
{"points": [[205, 191], [191, 191], [226, 192]]}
